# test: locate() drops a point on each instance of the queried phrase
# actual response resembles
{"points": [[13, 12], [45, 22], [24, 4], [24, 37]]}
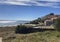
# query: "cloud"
{"points": [[7, 21], [51, 0], [49, 3]]}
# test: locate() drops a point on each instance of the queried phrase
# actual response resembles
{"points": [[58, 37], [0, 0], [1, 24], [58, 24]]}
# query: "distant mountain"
{"points": [[12, 23]]}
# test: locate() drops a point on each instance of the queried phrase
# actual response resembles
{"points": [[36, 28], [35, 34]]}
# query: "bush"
{"points": [[57, 24], [36, 21], [20, 29]]}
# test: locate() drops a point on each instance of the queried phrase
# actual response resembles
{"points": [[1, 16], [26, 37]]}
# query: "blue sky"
{"points": [[27, 9]]}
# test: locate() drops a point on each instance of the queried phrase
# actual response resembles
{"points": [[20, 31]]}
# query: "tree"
{"points": [[36, 21], [51, 13], [39, 20], [57, 24]]}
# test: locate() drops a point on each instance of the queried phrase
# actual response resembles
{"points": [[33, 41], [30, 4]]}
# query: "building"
{"points": [[50, 19]]}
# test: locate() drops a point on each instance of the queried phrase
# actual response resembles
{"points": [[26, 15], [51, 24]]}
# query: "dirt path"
{"points": [[0, 39]]}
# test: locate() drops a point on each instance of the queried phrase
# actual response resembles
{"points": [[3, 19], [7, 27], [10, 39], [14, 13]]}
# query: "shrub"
{"points": [[20, 29], [57, 24], [36, 21]]}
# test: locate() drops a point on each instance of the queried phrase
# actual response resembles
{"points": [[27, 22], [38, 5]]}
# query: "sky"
{"points": [[27, 9]]}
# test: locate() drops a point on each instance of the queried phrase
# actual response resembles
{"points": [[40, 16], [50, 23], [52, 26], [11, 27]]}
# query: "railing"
{"points": [[44, 27]]}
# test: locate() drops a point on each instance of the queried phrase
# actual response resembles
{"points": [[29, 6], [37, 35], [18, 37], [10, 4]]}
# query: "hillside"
{"points": [[47, 36], [29, 34]]}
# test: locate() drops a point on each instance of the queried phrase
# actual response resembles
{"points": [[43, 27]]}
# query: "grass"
{"points": [[47, 36], [9, 35]]}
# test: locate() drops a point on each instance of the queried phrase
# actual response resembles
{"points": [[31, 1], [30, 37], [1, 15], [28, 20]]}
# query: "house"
{"points": [[50, 19]]}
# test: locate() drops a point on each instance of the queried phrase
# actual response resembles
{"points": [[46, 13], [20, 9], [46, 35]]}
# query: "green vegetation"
{"points": [[51, 13], [57, 24], [47, 36], [20, 28], [43, 36], [36, 21]]}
